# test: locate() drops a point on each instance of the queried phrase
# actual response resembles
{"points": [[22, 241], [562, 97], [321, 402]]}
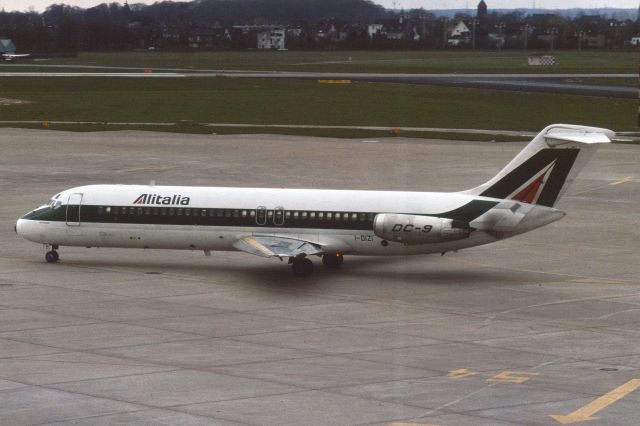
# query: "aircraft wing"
{"points": [[272, 246], [15, 55]]}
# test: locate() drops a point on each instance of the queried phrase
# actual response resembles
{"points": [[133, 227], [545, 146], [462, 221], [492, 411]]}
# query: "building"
{"points": [[374, 29], [598, 41], [272, 39], [394, 29], [482, 9], [459, 35], [7, 46]]}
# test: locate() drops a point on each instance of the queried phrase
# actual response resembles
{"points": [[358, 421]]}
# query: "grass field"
{"points": [[364, 61], [258, 101]]}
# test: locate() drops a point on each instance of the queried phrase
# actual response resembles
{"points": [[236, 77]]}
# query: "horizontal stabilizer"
{"points": [[556, 137]]}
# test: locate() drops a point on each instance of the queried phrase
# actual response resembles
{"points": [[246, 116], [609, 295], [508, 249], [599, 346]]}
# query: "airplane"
{"points": [[12, 56], [296, 224]]}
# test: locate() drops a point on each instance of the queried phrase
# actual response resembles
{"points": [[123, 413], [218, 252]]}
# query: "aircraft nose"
{"points": [[17, 226]]}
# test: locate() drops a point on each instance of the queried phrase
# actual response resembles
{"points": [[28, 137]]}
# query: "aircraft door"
{"points": [[73, 209]]}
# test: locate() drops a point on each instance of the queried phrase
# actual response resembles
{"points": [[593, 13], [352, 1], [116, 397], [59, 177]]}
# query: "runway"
{"points": [[532, 82], [512, 333]]}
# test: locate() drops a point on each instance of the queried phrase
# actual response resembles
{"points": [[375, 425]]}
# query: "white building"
{"points": [[7, 46], [460, 29], [374, 29], [459, 35], [272, 39]]}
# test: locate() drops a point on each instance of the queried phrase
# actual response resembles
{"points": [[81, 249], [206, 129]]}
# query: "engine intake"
{"points": [[414, 229]]}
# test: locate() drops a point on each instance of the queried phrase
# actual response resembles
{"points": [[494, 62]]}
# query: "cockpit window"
{"points": [[55, 203]]}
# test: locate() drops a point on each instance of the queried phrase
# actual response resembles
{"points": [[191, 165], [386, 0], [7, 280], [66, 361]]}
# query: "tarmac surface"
{"points": [[538, 82], [544, 324]]}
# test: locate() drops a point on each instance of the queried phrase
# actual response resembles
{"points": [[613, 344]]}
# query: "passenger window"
{"points": [[236, 213], [203, 213], [312, 215], [261, 216], [345, 216], [252, 213], [320, 215], [337, 216], [227, 213], [354, 216], [287, 215], [296, 215], [187, 212], [132, 210], [139, 212], [363, 217], [163, 211], [244, 213], [147, 211], [172, 211], [100, 210], [329, 215], [179, 212], [278, 218], [195, 212]]}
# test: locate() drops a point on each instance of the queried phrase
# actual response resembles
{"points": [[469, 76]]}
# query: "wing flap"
{"points": [[271, 246]]}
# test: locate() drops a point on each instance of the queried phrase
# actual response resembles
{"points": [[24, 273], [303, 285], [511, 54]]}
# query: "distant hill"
{"points": [[271, 11], [606, 12]]}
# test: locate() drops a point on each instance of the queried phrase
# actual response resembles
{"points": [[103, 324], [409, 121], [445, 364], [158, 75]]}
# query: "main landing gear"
{"points": [[333, 260], [52, 255], [302, 266]]}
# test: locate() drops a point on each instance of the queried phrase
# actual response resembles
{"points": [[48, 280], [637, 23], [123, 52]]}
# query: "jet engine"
{"points": [[414, 229]]}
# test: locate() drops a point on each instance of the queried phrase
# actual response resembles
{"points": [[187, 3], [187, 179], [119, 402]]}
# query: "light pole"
{"points": [[474, 23], [580, 34], [552, 32], [525, 32], [500, 27], [613, 40], [444, 20]]}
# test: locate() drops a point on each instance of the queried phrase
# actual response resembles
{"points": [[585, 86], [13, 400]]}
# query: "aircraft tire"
{"points": [[51, 256], [302, 267]]}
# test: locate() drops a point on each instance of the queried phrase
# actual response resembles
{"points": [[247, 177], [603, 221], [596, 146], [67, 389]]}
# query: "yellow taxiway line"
{"points": [[586, 413]]}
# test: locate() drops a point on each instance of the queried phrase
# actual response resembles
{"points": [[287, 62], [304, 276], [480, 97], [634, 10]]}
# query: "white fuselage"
{"points": [[210, 218]]}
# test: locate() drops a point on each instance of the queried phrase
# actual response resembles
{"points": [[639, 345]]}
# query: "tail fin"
{"points": [[543, 170]]}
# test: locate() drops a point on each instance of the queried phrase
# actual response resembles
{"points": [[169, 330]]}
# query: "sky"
{"points": [[40, 5]]}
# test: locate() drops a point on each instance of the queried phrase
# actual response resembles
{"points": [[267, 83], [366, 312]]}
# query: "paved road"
{"points": [[514, 82], [506, 334], [520, 133]]}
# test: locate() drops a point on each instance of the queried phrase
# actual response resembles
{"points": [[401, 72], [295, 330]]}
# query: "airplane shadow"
{"points": [[422, 270]]}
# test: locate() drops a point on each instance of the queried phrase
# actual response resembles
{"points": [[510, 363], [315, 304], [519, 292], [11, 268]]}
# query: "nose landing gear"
{"points": [[52, 255]]}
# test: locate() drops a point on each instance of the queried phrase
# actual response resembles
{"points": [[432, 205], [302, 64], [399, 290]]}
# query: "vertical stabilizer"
{"points": [[542, 171]]}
